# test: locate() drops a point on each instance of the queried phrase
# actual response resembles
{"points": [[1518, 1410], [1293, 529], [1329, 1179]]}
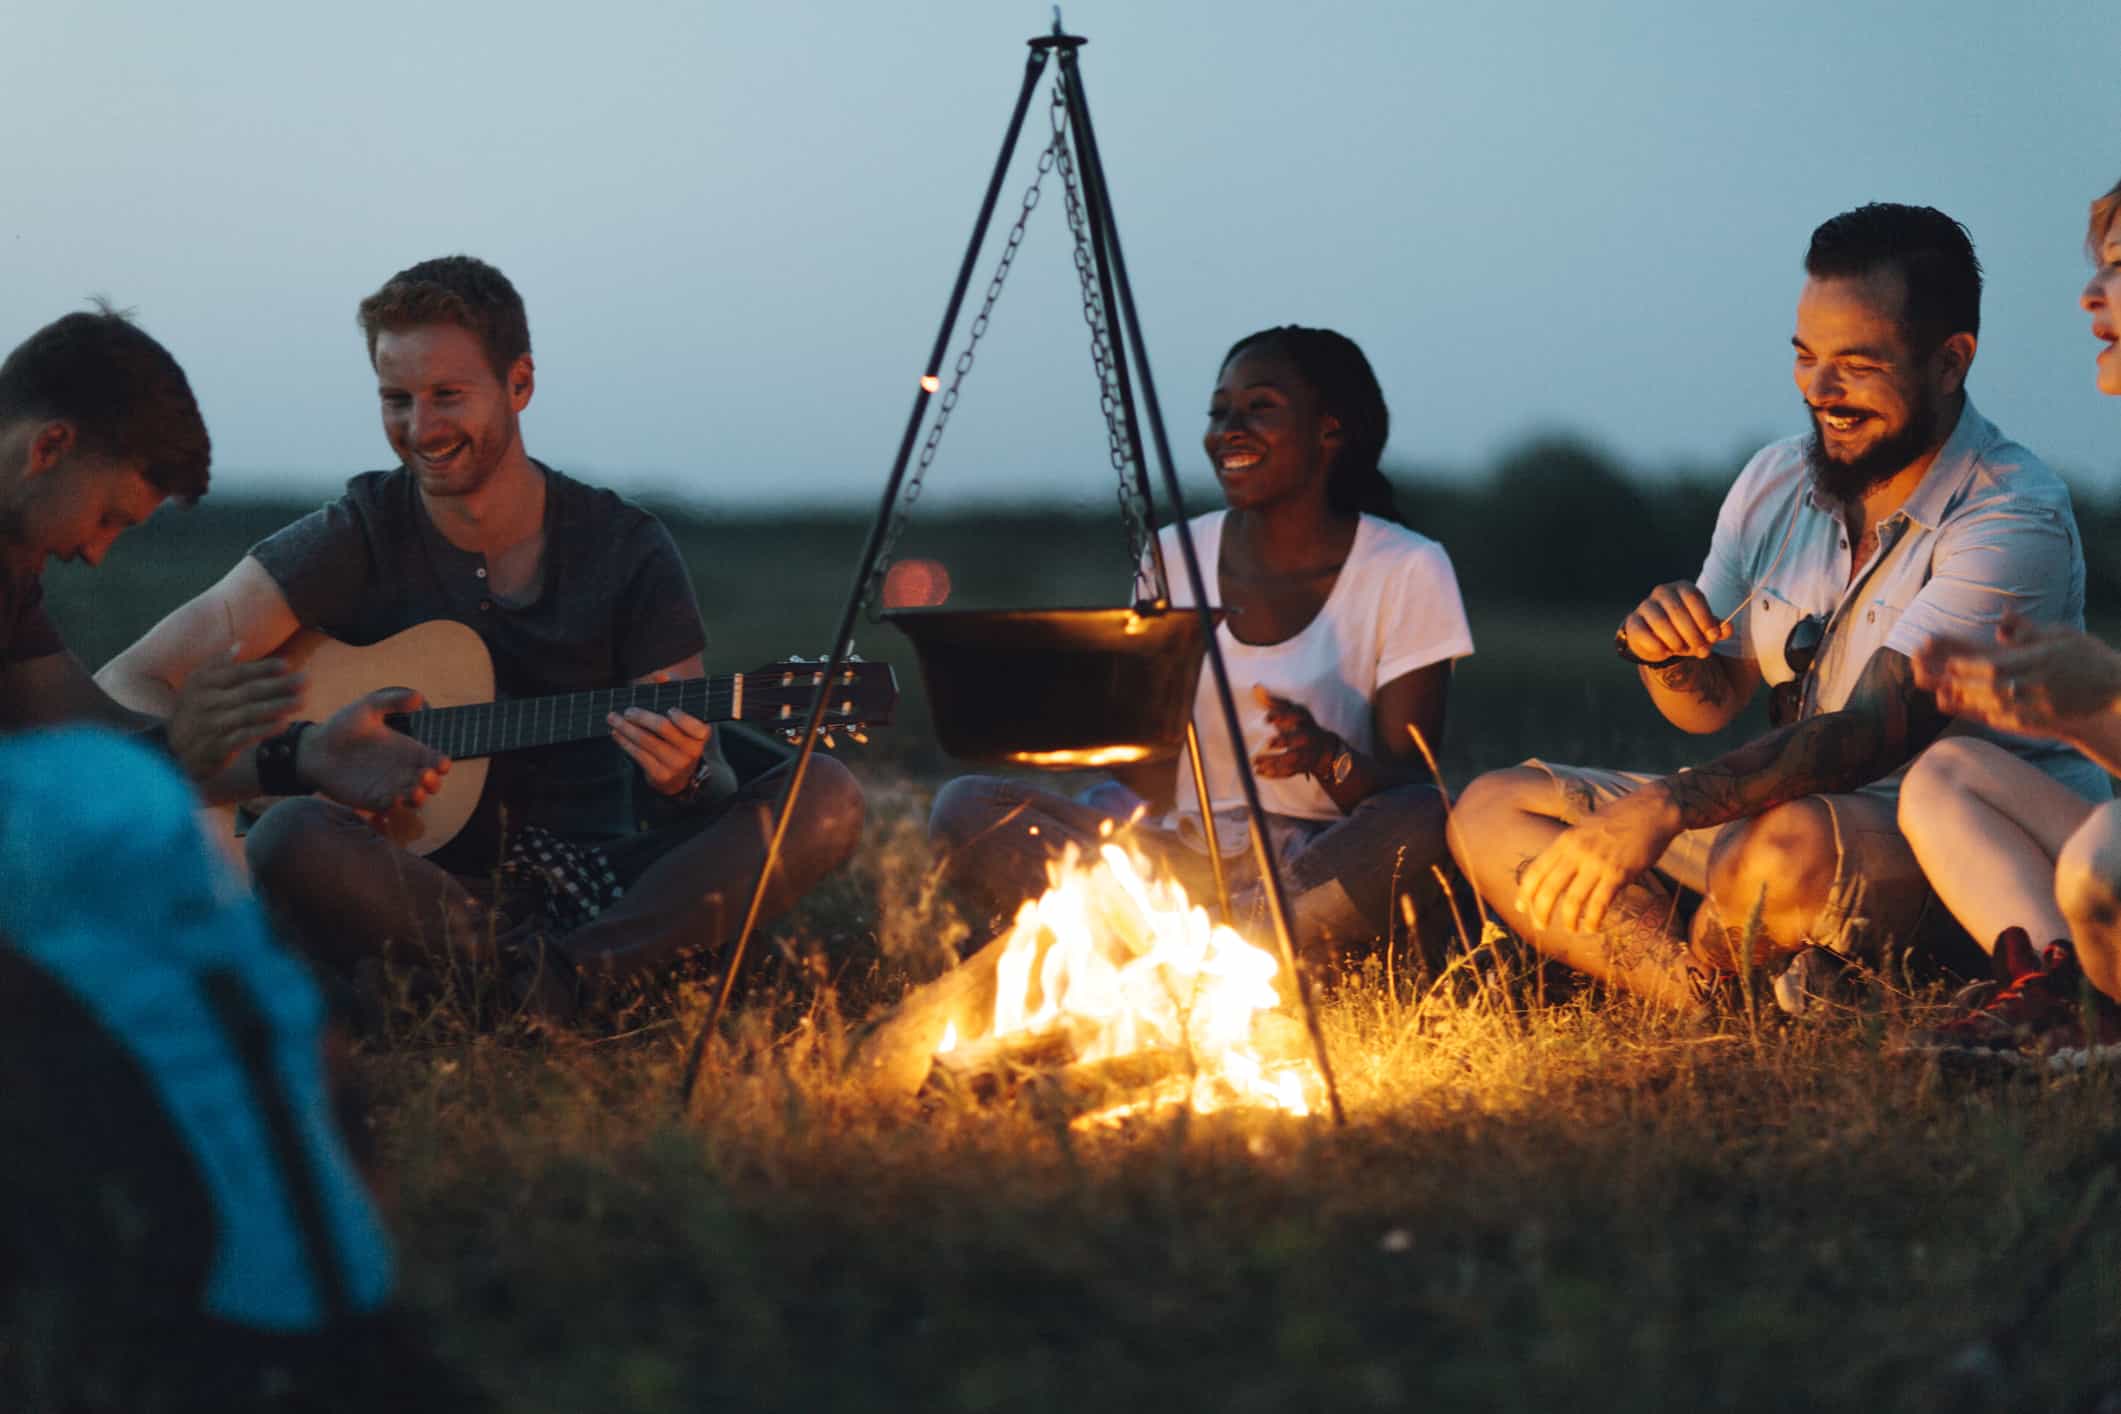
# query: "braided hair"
{"points": [[1347, 389]]}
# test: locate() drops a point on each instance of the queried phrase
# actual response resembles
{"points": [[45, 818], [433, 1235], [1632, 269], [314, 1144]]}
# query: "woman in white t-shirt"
{"points": [[1341, 631]]}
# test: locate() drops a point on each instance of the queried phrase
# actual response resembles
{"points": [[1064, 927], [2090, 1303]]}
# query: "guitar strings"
{"points": [[483, 728]]}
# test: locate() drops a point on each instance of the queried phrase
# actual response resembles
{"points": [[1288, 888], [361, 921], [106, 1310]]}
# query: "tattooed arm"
{"points": [[1703, 691], [1701, 695], [1886, 721]]}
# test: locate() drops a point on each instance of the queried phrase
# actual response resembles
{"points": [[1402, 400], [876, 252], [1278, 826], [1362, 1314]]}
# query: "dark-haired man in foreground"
{"points": [[1904, 515], [176, 1204], [619, 852], [98, 428]]}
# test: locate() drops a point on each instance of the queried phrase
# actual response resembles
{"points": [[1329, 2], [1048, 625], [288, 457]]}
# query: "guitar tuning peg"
{"points": [[858, 736], [826, 737]]}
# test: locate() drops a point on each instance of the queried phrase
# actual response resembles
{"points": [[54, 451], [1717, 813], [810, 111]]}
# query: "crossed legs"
{"points": [[1798, 864], [345, 892]]}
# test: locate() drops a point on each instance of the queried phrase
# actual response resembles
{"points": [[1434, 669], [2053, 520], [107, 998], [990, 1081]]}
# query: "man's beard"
{"points": [[475, 465], [1847, 481]]}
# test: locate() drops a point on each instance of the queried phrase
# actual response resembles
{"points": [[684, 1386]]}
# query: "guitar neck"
{"points": [[516, 724]]}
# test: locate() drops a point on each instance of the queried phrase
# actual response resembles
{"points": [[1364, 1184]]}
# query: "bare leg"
{"points": [[2088, 888], [1810, 866], [1987, 829], [1783, 863], [1502, 822]]}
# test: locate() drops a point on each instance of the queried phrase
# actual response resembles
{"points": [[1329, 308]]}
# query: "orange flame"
{"points": [[1119, 960]]}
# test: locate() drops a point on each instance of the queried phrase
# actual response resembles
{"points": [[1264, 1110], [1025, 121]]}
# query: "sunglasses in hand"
{"points": [[1800, 648]]}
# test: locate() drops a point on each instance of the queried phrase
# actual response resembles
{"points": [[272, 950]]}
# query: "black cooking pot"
{"points": [[1058, 688]]}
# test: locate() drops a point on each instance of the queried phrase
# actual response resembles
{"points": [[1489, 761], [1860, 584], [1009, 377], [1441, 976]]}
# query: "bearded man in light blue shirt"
{"points": [[1903, 517]]}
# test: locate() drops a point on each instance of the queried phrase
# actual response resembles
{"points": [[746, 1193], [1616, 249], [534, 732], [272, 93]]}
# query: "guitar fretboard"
{"points": [[485, 728]]}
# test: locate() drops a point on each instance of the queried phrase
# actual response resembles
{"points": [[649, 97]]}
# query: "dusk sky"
{"points": [[735, 225]]}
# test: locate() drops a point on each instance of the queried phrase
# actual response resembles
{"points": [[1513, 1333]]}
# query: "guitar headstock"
{"points": [[860, 695]]}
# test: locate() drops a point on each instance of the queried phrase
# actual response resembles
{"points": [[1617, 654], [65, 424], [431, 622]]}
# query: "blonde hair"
{"points": [[2103, 212]]}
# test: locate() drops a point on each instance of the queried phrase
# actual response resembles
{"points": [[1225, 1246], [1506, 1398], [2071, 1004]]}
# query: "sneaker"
{"points": [[2041, 1015], [1817, 981], [2013, 957]]}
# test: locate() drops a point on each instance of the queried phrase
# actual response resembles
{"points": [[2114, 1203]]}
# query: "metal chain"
{"points": [[1134, 513], [948, 402]]}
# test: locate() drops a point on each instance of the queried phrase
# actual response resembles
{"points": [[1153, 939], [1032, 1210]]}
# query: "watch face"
{"points": [[1343, 765]]}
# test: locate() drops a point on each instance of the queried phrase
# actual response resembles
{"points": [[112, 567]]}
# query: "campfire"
{"points": [[1118, 988]]}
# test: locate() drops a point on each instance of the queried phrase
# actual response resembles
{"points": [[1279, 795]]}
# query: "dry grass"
{"points": [[1534, 1202]]}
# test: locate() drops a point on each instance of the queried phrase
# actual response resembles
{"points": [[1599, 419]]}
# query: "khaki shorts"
{"points": [[1685, 862]]}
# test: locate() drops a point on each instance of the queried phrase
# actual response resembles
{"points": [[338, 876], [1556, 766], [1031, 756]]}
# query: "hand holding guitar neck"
{"points": [[358, 759], [667, 746]]}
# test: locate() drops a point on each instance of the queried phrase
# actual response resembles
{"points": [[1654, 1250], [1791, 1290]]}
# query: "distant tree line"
{"points": [[1555, 520]]}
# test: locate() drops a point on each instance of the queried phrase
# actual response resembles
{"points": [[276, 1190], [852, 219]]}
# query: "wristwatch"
{"points": [[1342, 765], [702, 773]]}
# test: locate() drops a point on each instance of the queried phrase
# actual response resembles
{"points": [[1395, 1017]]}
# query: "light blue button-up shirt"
{"points": [[1989, 530]]}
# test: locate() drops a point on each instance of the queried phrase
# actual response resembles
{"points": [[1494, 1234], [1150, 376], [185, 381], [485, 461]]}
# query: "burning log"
{"points": [[1124, 1083], [995, 1058], [895, 1052]]}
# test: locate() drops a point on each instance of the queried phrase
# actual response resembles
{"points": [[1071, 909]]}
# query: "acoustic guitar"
{"points": [[449, 665]]}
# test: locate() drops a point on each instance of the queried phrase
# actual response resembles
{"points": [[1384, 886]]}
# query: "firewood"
{"points": [[1096, 1085], [992, 1066], [998, 1055], [895, 1051]]}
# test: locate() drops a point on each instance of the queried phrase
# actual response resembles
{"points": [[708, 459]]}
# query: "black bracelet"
{"points": [[1627, 654], [275, 760]]}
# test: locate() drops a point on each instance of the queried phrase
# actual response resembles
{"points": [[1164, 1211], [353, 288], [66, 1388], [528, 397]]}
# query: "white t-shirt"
{"points": [[1394, 608]]}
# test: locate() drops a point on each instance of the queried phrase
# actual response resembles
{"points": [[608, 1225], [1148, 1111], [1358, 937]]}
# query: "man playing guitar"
{"points": [[570, 588]]}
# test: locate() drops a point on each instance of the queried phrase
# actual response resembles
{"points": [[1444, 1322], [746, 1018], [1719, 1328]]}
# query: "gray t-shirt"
{"points": [[615, 604]]}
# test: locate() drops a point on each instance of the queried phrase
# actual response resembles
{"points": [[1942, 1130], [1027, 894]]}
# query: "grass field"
{"points": [[1539, 1200]]}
